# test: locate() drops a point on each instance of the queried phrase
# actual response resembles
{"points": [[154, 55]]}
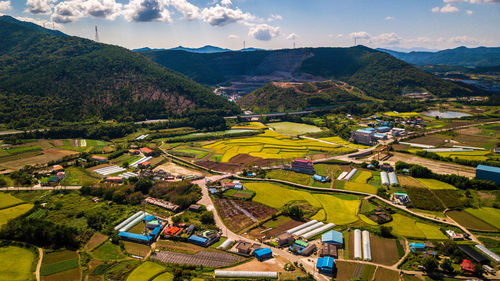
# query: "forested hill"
{"points": [[376, 73], [461, 56], [45, 77]]}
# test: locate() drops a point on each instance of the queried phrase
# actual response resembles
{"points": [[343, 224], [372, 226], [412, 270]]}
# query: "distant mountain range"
{"points": [[47, 76], [208, 49], [376, 73], [461, 56]]}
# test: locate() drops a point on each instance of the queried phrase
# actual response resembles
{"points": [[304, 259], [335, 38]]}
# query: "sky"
{"points": [[270, 24]]}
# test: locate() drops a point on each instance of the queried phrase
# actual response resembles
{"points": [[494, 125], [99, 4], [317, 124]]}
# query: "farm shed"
{"points": [[342, 175], [146, 150], [325, 265], [309, 228], [367, 251], [319, 178], [351, 174], [285, 238], [473, 254], [417, 247], [99, 159], [333, 237], [197, 240], [489, 253], [468, 266], [308, 250], [263, 253], [135, 237], [245, 274], [317, 231], [302, 226], [357, 245], [484, 172], [148, 218], [328, 250], [384, 178], [244, 247], [225, 244], [129, 219], [303, 166], [393, 179]]}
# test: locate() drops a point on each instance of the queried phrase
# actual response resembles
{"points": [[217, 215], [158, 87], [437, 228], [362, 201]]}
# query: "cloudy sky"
{"points": [[270, 24]]}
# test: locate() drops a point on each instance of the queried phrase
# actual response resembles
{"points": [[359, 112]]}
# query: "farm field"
{"points": [[190, 152], [469, 221], [384, 274], [435, 184], [294, 177], [339, 209], [293, 129], [410, 181], [107, 251], [250, 126], [7, 200], [239, 194], [177, 170], [13, 212], [238, 215], [272, 195], [136, 248], [487, 214], [361, 187], [16, 264], [384, 250], [32, 158], [167, 276], [94, 241], [467, 155], [341, 141], [145, 271], [78, 176], [272, 145], [362, 177], [407, 227], [61, 262]]}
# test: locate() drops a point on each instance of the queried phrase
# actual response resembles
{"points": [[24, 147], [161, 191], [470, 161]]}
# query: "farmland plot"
{"points": [[339, 209], [469, 221], [16, 264], [489, 215], [293, 129]]}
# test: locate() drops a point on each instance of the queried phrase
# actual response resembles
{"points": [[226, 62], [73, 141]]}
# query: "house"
{"points": [[333, 237], [60, 175], [468, 267], [195, 207], [99, 159], [57, 168], [363, 136], [328, 250], [263, 254], [145, 164], [453, 236], [114, 179], [302, 166], [401, 198], [383, 129], [307, 251], [146, 150], [285, 238], [134, 151], [244, 248], [491, 173], [325, 265], [417, 247], [172, 231]]}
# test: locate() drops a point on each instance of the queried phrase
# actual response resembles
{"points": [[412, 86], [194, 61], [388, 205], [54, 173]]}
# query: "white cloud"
{"points": [[472, 1], [108, 9], [233, 36], [226, 3], [188, 10], [389, 18], [73, 10], [469, 12], [43, 23], [5, 5], [146, 10], [66, 12], [264, 32], [221, 15], [274, 17], [465, 40], [292, 36], [360, 35], [39, 6], [448, 8], [386, 39]]}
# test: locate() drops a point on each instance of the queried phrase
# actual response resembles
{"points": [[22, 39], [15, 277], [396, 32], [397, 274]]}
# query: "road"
{"points": [[24, 188], [39, 264]]}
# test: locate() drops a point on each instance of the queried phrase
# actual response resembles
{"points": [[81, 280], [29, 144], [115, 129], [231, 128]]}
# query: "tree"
{"points": [[207, 217], [447, 266], [418, 171], [143, 185], [3, 182], [386, 231], [375, 163], [294, 212], [430, 264]]}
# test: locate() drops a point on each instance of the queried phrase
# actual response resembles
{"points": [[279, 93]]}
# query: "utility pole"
{"points": [[96, 34], [244, 45]]}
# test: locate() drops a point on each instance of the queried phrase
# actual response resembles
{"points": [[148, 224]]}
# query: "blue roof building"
{"points": [[197, 240], [135, 237], [417, 247], [383, 129], [154, 233], [491, 173], [333, 237], [149, 218], [263, 253], [366, 131], [326, 265]]}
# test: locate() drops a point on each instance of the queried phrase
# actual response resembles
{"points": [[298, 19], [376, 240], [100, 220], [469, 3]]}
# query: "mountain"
{"points": [[31, 26], [44, 77], [288, 96], [461, 56], [203, 50], [376, 73]]}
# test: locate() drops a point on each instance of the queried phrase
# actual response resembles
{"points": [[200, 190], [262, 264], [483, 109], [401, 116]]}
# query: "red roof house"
{"points": [[468, 266], [146, 150]]}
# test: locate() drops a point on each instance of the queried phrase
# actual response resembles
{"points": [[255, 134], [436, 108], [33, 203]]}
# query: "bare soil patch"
{"points": [[345, 270], [238, 215], [384, 251], [384, 274], [435, 166], [255, 265], [177, 170], [96, 240], [256, 232], [136, 249]]}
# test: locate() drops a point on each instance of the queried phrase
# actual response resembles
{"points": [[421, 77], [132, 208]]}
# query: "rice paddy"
{"points": [[145, 271], [361, 187], [467, 155], [435, 184], [273, 145], [341, 141], [487, 214], [16, 264], [276, 196], [339, 209], [293, 129], [362, 177], [7, 200], [409, 227], [13, 212]]}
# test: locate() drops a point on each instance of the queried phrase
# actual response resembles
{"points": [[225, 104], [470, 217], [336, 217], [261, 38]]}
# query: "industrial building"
{"points": [[484, 172], [325, 265], [473, 254]]}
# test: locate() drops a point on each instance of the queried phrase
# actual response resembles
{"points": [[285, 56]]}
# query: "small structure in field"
{"points": [[195, 208], [325, 265], [146, 151], [99, 159], [263, 254]]}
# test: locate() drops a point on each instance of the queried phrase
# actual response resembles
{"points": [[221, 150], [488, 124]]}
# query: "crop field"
{"points": [[239, 194], [58, 262], [402, 114], [328, 170], [384, 274], [341, 141], [469, 221], [18, 161], [451, 198], [339, 209], [361, 187], [408, 227], [272, 145], [272, 195], [487, 214], [91, 145], [293, 129], [435, 184], [167, 276], [467, 155], [204, 258], [145, 271], [7, 200], [191, 152], [96, 240], [410, 181], [384, 250], [107, 251], [16, 264], [238, 214], [423, 198], [295, 177], [362, 177], [78, 176], [250, 126], [13, 212]]}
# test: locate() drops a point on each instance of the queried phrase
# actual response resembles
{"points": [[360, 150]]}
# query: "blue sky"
{"points": [[270, 24]]}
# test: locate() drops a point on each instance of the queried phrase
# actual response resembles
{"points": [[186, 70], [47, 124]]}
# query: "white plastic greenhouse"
{"points": [[341, 176], [299, 227], [225, 244], [351, 174], [129, 219], [133, 222], [393, 179], [309, 228], [367, 252], [357, 245], [489, 253], [246, 274], [318, 230], [384, 178]]}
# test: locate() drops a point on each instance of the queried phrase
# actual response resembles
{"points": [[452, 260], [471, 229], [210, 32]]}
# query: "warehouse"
{"points": [[263, 253], [333, 237], [484, 172], [328, 250], [325, 265], [473, 254]]}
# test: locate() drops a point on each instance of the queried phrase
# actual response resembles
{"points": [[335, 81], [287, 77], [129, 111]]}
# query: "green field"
{"points": [[402, 114], [361, 187], [7, 200], [16, 264], [21, 149], [272, 145], [408, 227], [295, 178], [239, 194], [167, 276], [293, 129], [272, 195], [108, 251], [341, 141], [13, 212], [469, 221], [362, 177], [198, 153], [339, 209], [435, 184], [53, 268], [467, 155], [489, 215], [145, 271], [78, 176]]}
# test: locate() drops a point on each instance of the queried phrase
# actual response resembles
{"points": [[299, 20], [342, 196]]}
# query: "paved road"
{"points": [[24, 188]]}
